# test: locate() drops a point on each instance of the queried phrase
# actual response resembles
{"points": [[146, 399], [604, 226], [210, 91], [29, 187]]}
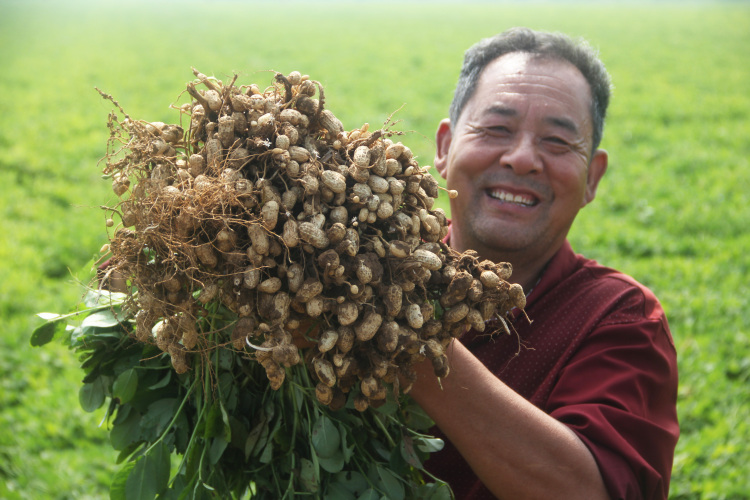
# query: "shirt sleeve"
{"points": [[618, 393]]}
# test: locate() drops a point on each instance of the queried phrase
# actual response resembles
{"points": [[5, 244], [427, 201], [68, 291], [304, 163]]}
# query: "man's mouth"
{"points": [[518, 199]]}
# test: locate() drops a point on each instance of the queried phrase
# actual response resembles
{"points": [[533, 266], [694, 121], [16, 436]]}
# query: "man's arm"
{"points": [[516, 449]]}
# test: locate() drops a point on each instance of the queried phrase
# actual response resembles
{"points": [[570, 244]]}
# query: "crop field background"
{"points": [[673, 210]]}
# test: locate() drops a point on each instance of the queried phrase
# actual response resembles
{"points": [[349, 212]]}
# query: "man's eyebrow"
{"points": [[565, 123], [498, 109], [562, 122]]}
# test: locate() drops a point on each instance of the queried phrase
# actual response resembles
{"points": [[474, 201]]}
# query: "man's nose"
{"points": [[522, 156]]}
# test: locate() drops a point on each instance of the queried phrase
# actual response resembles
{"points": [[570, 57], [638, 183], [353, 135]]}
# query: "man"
{"points": [[580, 402]]}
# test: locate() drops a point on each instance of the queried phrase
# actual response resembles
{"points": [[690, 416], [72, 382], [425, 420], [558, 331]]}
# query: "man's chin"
{"points": [[497, 245], [503, 235]]}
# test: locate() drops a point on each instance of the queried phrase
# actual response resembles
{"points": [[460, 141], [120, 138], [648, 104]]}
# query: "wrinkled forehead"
{"points": [[533, 73], [528, 78]]}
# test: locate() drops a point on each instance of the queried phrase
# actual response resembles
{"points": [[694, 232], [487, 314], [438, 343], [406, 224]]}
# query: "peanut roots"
{"points": [[263, 209]]}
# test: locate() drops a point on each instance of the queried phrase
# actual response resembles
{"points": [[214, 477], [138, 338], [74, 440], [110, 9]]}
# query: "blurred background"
{"points": [[672, 210]]}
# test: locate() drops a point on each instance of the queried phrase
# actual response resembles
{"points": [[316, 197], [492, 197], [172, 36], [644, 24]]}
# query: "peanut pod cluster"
{"points": [[262, 208]]}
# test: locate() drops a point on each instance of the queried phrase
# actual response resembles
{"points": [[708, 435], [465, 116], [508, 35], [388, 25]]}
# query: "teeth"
{"points": [[505, 196]]}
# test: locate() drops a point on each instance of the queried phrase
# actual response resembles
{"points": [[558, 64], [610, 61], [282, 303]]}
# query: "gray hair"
{"points": [[552, 45]]}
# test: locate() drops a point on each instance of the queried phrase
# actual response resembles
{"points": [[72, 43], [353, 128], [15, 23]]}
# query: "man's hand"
{"points": [[516, 449]]}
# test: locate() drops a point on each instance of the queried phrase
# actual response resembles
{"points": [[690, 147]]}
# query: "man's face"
{"points": [[520, 158]]}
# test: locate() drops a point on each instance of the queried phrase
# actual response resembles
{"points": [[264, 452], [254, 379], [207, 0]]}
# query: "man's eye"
{"points": [[556, 144], [497, 129]]}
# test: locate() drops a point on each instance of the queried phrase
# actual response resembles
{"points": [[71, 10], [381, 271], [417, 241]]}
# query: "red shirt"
{"points": [[599, 357]]}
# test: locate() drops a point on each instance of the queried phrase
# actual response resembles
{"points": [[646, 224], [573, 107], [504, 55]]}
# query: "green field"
{"points": [[672, 211]]}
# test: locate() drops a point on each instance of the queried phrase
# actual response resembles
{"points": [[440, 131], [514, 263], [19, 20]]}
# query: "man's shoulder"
{"points": [[607, 278], [575, 273], [580, 269], [598, 286]]}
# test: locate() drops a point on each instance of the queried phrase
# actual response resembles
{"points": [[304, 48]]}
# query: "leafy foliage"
{"points": [[235, 435]]}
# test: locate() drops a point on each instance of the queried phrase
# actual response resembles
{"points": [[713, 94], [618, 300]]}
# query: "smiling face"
{"points": [[520, 157]]}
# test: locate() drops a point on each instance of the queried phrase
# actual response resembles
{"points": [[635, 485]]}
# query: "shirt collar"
{"points": [[558, 268]]}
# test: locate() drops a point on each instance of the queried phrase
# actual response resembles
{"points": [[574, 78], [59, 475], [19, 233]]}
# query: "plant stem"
{"points": [[192, 440], [174, 419], [385, 431], [86, 311]]}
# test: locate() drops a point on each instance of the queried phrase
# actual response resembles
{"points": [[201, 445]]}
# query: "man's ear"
{"points": [[597, 168], [443, 137]]}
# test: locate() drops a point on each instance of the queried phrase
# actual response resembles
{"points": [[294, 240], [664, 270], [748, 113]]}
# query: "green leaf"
{"points": [[128, 358], [192, 463], [267, 455], [91, 395], [123, 412], [177, 488], [90, 337], [218, 445], [117, 488], [159, 460], [227, 428], [382, 450], [49, 316], [159, 414], [434, 491], [353, 481], [126, 431], [182, 430], [338, 492], [213, 422], [163, 382], [325, 437], [332, 464], [44, 334], [226, 359], [438, 309], [128, 451], [217, 423], [369, 494], [389, 408], [309, 475], [257, 438], [416, 418], [239, 432], [299, 397], [103, 298], [142, 481], [347, 450], [408, 453], [390, 484], [429, 445], [101, 319], [125, 385]]}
